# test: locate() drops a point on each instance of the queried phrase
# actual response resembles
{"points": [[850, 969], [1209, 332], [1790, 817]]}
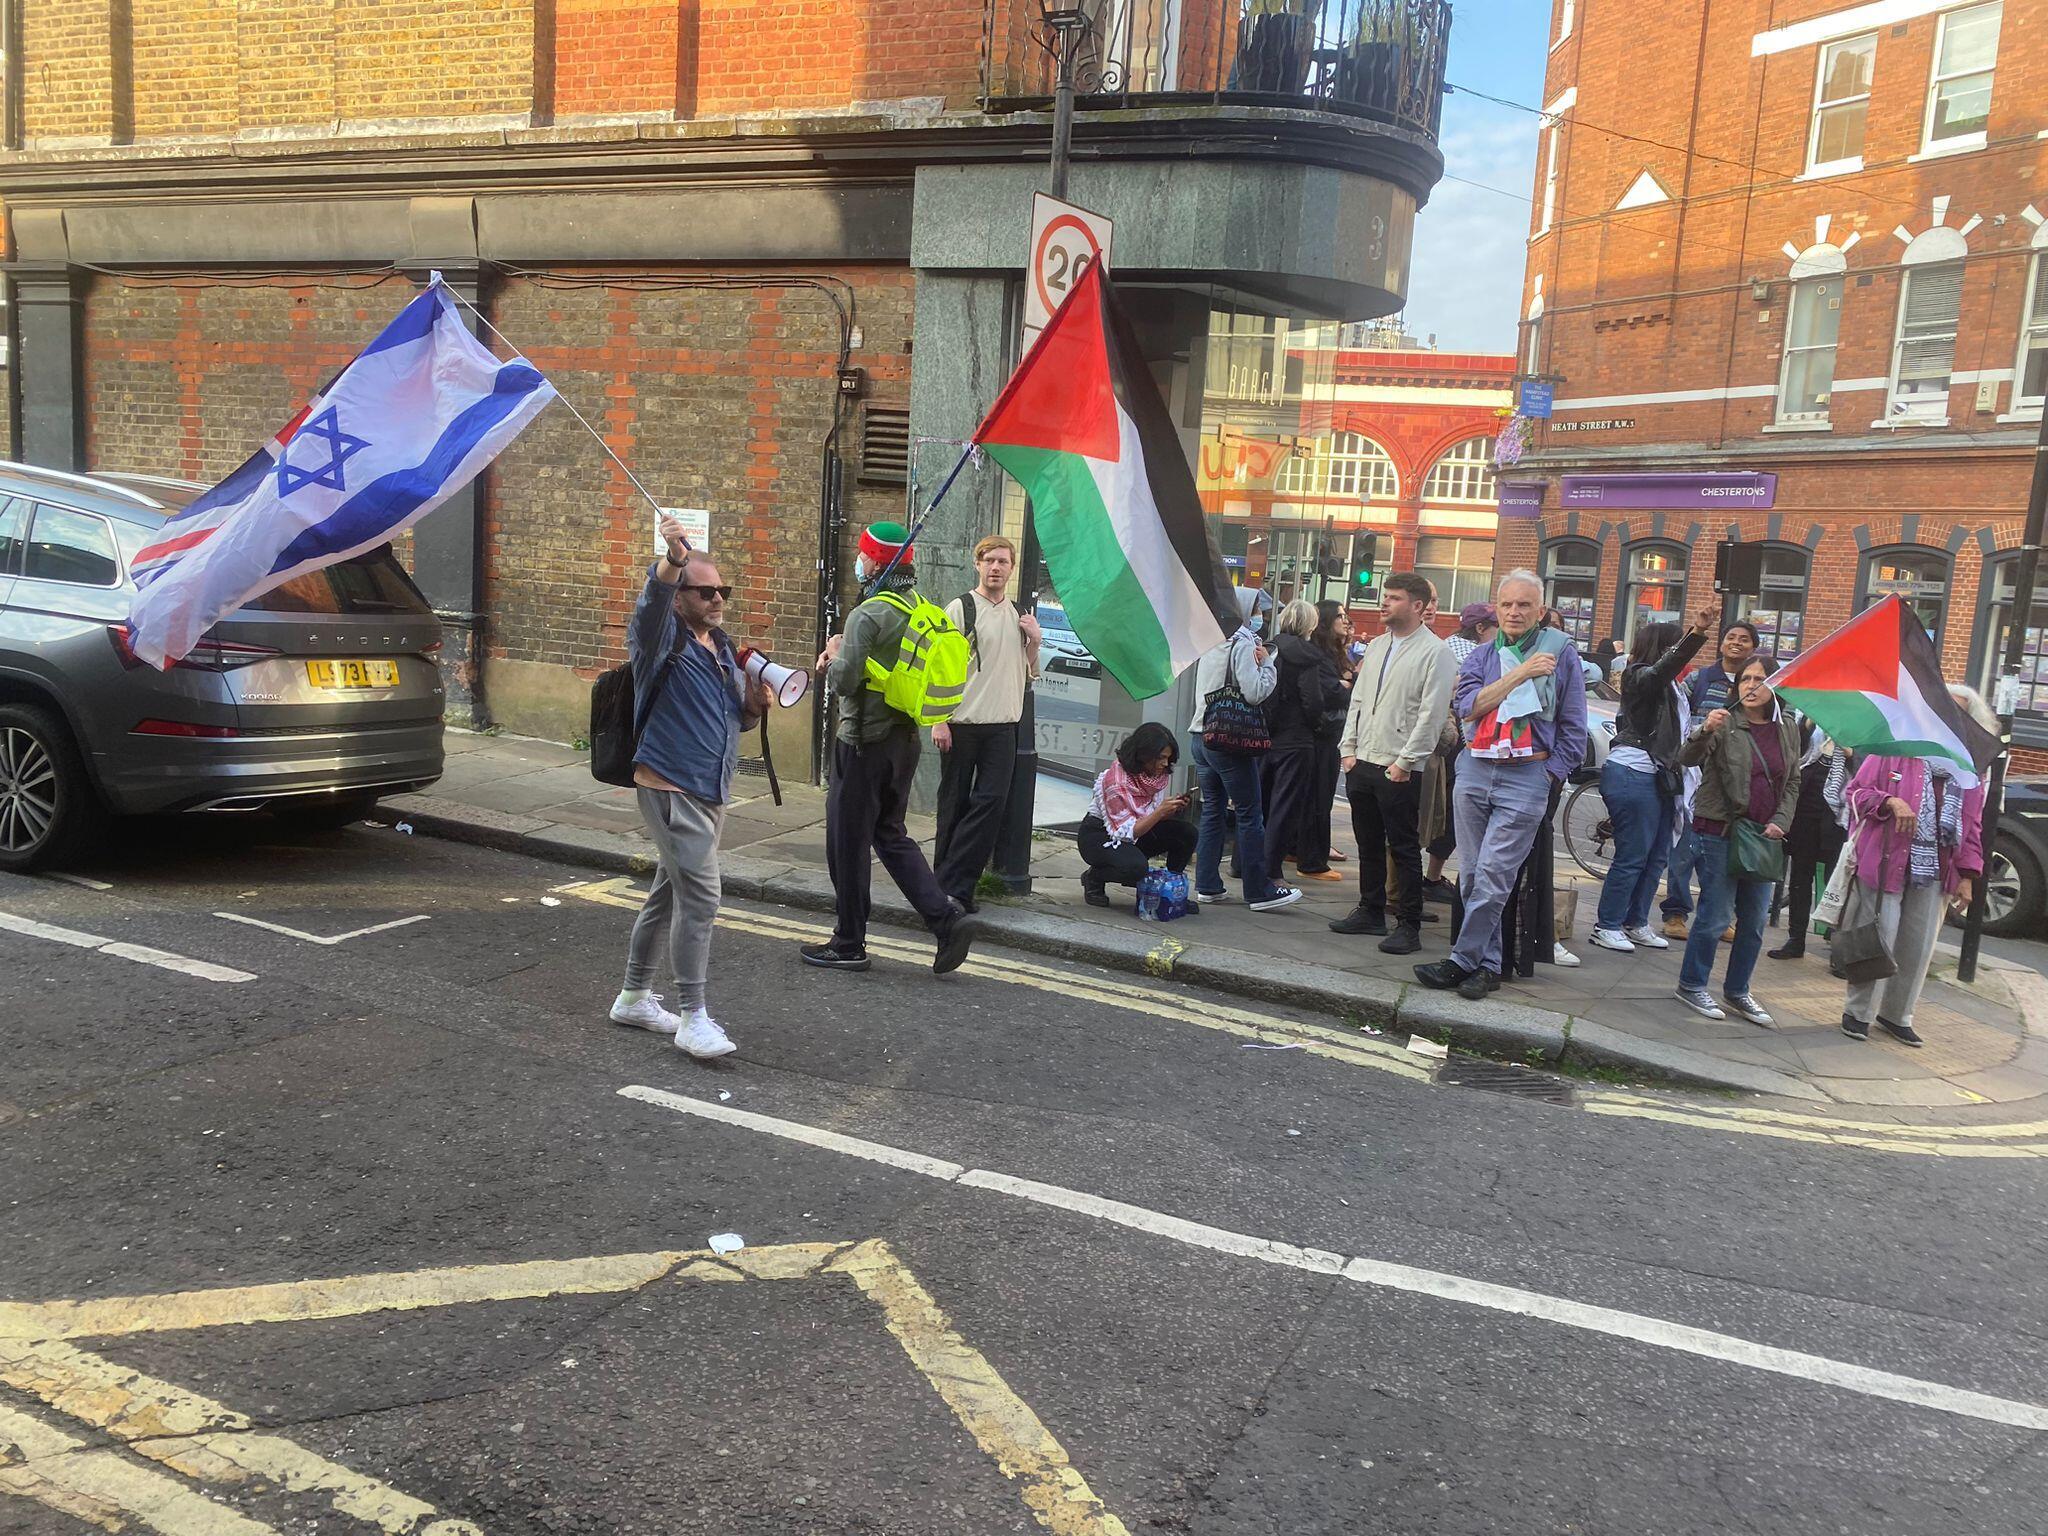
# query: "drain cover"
{"points": [[1496, 1077]]}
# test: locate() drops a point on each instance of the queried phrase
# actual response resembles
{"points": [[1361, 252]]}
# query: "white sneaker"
{"points": [[1614, 939], [1701, 1002], [703, 1039], [1209, 901], [1643, 936], [646, 1014], [1286, 896], [1749, 1008], [1559, 955]]}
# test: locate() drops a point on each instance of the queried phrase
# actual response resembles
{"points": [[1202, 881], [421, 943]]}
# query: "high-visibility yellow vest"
{"points": [[930, 675]]}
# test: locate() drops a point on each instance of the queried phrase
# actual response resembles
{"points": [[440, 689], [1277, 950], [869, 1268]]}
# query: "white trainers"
{"points": [[645, 1014], [1749, 1008], [1643, 936], [703, 1039], [1286, 896], [1559, 955], [1614, 939], [1208, 900], [1700, 1001]]}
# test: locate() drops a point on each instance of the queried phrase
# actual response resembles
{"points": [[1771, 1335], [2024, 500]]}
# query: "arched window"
{"points": [[1996, 629], [1656, 587], [1930, 307], [1349, 464], [1464, 473], [1779, 611], [1571, 584], [1916, 575], [1360, 467]]}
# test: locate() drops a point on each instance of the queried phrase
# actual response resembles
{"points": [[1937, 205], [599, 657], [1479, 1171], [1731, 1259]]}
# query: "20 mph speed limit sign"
{"points": [[1064, 240]]}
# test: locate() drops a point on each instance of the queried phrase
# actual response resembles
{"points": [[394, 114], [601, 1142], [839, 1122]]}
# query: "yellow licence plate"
{"points": [[352, 674]]}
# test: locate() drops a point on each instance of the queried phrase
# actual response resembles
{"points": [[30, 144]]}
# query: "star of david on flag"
{"points": [[412, 420], [341, 448]]}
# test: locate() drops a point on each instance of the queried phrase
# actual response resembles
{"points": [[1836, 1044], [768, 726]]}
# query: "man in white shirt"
{"points": [[1398, 707], [978, 747]]}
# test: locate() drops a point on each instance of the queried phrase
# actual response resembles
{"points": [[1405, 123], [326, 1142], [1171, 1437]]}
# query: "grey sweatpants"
{"points": [[684, 899], [1910, 922]]}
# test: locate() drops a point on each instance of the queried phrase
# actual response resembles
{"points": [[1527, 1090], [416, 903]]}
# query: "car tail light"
{"points": [[206, 656], [185, 728]]}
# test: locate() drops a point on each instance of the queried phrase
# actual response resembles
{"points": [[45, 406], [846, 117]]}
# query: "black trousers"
{"points": [[1288, 775], [1445, 843], [1312, 848], [974, 791], [1126, 863], [1386, 818], [864, 811]]}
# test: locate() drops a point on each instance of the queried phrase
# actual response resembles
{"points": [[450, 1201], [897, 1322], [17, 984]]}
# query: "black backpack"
{"points": [[967, 615], [614, 734]]}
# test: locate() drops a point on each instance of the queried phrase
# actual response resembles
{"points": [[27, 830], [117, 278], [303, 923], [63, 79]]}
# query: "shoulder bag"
{"points": [[1858, 953], [1230, 721]]}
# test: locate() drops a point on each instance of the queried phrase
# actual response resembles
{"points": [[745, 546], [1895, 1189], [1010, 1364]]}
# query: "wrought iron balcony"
{"points": [[1378, 59]]}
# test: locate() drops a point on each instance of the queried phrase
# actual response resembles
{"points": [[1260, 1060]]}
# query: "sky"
{"points": [[1465, 281]]}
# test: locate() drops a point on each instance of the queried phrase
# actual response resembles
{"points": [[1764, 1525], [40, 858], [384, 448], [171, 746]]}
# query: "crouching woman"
{"points": [[1130, 819]]}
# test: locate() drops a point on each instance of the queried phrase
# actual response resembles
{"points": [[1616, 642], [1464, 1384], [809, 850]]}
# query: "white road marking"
{"points": [[1400, 1277], [84, 880], [314, 938], [163, 959]]}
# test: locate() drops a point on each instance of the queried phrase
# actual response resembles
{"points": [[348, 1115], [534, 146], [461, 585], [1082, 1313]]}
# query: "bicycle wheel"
{"points": [[1588, 831]]}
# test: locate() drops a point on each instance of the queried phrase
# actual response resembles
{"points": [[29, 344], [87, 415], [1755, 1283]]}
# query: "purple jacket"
{"points": [[1563, 738], [1883, 856]]}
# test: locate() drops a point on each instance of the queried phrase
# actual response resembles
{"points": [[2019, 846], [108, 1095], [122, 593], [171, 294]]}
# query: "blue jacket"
{"points": [[688, 705], [1564, 738]]}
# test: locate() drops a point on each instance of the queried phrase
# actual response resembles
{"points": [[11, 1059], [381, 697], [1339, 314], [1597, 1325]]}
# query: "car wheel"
{"points": [[44, 794], [2013, 892], [324, 814]]}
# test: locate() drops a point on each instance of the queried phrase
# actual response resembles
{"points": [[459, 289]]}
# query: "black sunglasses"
{"points": [[723, 594]]}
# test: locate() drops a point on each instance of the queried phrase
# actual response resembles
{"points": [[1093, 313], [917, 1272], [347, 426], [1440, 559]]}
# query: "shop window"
{"points": [[1959, 99], [1924, 355], [1996, 631], [1464, 474], [1461, 568], [1656, 587], [1841, 101], [2031, 375], [1571, 583], [1918, 577], [1807, 382], [1779, 611]]}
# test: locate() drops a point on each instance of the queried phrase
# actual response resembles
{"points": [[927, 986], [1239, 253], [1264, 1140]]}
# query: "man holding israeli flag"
{"points": [[403, 427]]}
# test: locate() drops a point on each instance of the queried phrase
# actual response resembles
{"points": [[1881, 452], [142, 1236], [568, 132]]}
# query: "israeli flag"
{"points": [[402, 428]]}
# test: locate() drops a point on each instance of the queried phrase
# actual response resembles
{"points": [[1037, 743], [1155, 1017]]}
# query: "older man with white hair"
{"points": [[1523, 700]]}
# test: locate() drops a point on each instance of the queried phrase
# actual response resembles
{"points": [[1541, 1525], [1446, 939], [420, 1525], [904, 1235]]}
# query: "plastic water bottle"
{"points": [[1148, 900]]}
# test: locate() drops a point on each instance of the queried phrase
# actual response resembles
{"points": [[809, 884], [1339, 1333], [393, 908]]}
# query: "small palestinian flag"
{"points": [[1081, 427], [1875, 686]]}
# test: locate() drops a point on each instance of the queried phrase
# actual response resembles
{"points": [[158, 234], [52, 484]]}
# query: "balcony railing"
{"points": [[1380, 59]]}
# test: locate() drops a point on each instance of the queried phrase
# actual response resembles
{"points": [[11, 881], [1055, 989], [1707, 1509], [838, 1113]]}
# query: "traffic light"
{"points": [[1329, 564], [1365, 552]]}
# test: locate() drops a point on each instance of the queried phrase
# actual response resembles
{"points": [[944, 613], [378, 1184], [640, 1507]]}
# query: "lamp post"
{"points": [[1069, 28]]}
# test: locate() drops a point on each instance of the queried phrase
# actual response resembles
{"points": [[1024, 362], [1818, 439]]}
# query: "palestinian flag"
{"points": [[1081, 427], [1875, 686]]}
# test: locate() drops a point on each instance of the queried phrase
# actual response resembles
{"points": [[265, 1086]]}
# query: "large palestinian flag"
{"points": [[1081, 427], [1875, 685]]}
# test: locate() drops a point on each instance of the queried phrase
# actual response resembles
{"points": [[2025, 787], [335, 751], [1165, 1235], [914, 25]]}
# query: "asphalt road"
{"points": [[438, 1105]]}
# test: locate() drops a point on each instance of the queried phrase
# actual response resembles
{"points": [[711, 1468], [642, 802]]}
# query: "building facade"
{"points": [[772, 253], [1789, 287]]}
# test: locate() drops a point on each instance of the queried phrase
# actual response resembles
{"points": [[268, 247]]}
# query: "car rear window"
{"points": [[370, 583]]}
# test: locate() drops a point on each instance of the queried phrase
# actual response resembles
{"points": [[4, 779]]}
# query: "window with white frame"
{"points": [[1464, 473], [1924, 354], [1841, 102], [1461, 569], [1550, 178], [1959, 98], [2030, 386], [1360, 467], [1532, 358], [1564, 20], [1807, 381]]}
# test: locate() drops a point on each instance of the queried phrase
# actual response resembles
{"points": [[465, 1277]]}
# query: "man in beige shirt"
{"points": [[978, 747], [1398, 707]]}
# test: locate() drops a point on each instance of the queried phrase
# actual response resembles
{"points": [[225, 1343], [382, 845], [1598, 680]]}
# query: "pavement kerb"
{"points": [[1494, 1028]]}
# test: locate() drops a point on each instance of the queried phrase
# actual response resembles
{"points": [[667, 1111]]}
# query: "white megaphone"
{"points": [[786, 683]]}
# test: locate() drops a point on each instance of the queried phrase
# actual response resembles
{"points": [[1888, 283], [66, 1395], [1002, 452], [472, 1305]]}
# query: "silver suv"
{"points": [[311, 702]]}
